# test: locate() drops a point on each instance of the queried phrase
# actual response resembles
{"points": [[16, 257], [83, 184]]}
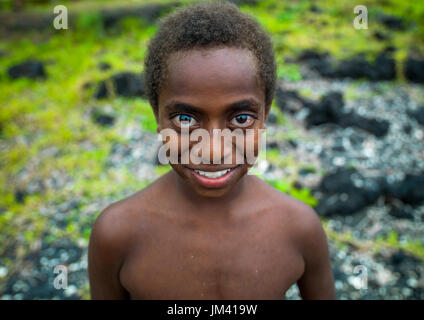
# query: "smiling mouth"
{"points": [[212, 174], [213, 179]]}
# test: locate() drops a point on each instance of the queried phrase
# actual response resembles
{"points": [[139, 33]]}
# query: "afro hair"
{"points": [[208, 24]]}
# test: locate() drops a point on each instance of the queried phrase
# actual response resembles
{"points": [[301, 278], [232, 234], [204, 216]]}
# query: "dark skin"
{"points": [[177, 239]]}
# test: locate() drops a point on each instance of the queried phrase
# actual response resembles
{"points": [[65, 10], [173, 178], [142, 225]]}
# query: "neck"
{"points": [[216, 206]]}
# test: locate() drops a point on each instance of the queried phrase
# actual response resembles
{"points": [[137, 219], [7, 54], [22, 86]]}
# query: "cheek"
{"points": [[245, 148], [252, 141], [179, 144]]}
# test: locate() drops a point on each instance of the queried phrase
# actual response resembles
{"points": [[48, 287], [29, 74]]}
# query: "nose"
{"points": [[214, 129], [220, 146], [216, 147]]}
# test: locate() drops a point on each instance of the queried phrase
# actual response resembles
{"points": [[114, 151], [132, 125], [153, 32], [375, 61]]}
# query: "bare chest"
{"points": [[244, 263]]}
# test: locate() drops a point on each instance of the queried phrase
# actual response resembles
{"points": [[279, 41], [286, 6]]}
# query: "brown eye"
{"points": [[184, 120], [243, 120]]}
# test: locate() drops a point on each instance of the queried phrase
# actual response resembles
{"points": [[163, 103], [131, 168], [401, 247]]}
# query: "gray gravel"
{"points": [[400, 152]]}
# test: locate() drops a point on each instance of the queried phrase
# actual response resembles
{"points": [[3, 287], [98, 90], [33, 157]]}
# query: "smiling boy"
{"points": [[209, 231]]}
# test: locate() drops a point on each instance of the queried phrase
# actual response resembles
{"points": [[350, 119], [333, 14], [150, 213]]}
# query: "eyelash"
{"points": [[244, 114], [174, 116]]}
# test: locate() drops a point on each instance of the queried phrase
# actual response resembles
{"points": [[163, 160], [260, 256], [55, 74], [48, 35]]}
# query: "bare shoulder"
{"points": [[119, 223], [307, 235], [305, 224], [110, 234], [111, 225], [114, 233]]}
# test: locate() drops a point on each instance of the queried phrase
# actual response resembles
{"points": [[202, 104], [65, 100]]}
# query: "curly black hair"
{"points": [[208, 24]]}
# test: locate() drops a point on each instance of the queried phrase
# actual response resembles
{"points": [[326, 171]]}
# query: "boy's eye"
{"points": [[184, 120], [243, 120]]}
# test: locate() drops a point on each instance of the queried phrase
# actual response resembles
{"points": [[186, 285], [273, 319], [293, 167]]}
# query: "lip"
{"points": [[213, 182]]}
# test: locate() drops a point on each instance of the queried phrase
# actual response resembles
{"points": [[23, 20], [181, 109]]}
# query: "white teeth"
{"points": [[214, 174]]}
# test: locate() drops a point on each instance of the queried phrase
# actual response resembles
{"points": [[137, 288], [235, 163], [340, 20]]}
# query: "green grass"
{"points": [[303, 194], [38, 115], [390, 241]]}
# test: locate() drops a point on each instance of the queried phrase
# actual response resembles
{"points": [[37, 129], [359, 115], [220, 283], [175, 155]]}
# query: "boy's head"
{"points": [[210, 66], [206, 25]]}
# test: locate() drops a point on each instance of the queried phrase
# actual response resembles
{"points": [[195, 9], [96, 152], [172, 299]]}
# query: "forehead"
{"points": [[217, 73]]}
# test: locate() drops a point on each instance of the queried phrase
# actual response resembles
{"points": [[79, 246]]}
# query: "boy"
{"points": [[209, 231]]}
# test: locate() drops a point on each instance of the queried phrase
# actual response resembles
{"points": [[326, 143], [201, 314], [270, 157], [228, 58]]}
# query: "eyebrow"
{"points": [[245, 104]]}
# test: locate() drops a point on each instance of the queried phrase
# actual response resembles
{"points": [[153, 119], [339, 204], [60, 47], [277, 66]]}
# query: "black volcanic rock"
{"points": [[401, 257], [357, 67], [32, 69], [383, 68], [315, 9], [318, 61], [400, 213], [148, 12], [381, 36], [346, 192], [104, 66], [414, 69], [409, 190], [102, 118], [392, 22], [330, 110], [385, 65], [289, 100], [418, 115], [125, 84], [311, 54], [377, 127], [20, 195]]}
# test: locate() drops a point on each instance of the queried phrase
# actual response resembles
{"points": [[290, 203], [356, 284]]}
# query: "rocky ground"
{"points": [[373, 181]]}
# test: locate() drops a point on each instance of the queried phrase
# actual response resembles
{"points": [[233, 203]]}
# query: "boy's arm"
{"points": [[105, 256], [317, 281]]}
